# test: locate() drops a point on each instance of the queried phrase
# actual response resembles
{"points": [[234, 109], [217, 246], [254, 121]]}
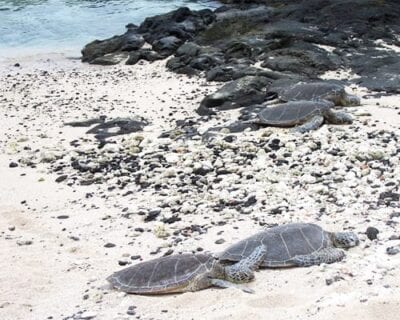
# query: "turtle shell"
{"points": [[313, 91], [292, 113], [162, 275], [283, 243]]}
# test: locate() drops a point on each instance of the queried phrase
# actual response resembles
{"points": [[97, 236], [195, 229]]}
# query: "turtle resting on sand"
{"points": [[293, 245], [304, 115], [319, 90], [186, 272]]}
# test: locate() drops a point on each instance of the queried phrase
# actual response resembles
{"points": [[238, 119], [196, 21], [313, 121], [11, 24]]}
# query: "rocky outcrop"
{"points": [[163, 33], [273, 40]]}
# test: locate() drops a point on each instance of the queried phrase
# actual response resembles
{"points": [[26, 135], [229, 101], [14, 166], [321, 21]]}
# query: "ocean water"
{"points": [[31, 26]]}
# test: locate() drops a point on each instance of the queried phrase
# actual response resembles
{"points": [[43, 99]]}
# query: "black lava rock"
{"points": [[372, 233]]}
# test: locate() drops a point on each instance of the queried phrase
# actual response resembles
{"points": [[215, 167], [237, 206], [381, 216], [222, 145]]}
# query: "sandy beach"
{"points": [[60, 240]]}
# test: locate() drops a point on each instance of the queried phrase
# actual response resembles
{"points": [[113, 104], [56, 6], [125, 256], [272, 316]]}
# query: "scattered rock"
{"points": [[24, 242], [372, 233], [392, 250], [13, 164]]}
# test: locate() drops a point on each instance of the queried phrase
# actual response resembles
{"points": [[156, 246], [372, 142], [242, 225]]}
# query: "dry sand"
{"points": [[53, 262]]}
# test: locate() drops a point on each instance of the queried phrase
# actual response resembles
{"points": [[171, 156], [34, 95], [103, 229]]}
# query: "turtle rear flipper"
{"points": [[326, 255], [313, 124], [351, 100]]}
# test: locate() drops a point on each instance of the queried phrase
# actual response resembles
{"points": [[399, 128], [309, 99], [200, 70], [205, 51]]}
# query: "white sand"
{"points": [[57, 276]]}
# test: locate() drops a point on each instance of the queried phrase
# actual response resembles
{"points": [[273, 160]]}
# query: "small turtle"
{"points": [[320, 90], [297, 244], [186, 272], [307, 115]]}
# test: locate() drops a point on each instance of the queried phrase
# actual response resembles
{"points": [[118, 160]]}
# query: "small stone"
{"points": [[13, 165], [220, 241], [135, 257], [334, 279], [372, 233], [160, 231], [152, 215], [24, 242], [109, 245], [392, 251], [250, 201], [123, 262], [169, 252], [63, 217], [11, 228], [61, 178], [131, 310]]}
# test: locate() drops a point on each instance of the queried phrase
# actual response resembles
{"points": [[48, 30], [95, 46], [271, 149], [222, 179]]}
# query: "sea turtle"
{"points": [[296, 244], [307, 115], [186, 272], [319, 90]]}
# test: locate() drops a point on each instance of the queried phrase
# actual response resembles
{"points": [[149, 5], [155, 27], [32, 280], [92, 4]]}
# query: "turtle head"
{"points": [[345, 239], [351, 100]]}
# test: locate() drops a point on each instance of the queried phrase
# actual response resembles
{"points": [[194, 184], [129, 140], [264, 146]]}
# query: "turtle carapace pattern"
{"points": [[318, 90], [290, 245], [186, 272], [303, 115]]}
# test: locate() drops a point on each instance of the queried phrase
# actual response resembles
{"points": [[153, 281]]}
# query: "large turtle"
{"points": [[305, 115], [297, 244], [319, 90], [186, 272]]}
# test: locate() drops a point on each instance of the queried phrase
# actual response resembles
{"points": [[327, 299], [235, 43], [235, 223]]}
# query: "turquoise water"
{"points": [[67, 25]]}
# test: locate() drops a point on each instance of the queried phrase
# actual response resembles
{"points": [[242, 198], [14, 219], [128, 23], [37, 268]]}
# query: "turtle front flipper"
{"points": [[226, 284], [351, 100], [313, 124], [326, 255], [243, 271], [338, 117]]}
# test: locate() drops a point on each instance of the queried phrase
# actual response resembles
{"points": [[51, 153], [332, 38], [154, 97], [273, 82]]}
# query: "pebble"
{"points": [[372, 233], [13, 165], [109, 245], [392, 250], [61, 178], [24, 242]]}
